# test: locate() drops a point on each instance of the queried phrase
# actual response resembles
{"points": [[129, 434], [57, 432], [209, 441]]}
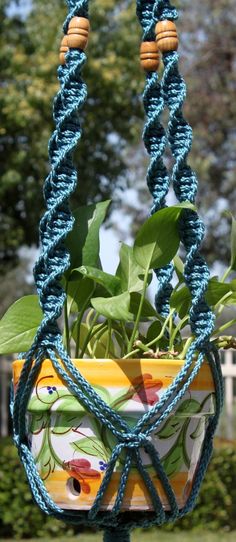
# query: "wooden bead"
{"points": [[166, 36], [78, 32], [149, 56], [63, 50]]}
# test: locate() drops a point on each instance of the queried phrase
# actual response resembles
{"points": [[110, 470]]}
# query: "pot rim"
{"points": [[109, 361]]}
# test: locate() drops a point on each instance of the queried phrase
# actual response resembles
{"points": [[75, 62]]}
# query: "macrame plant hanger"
{"points": [[54, 261]]}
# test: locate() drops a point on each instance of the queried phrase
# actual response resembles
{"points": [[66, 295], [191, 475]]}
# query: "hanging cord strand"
{"points": [[185, 184], [196, 271], [155, 141]]}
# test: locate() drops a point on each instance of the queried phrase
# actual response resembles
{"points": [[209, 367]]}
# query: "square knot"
{"points": [[135, 441]]}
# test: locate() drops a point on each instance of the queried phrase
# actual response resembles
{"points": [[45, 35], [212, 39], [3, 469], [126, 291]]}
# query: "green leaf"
{"points": [[113, 308], [154, 330], [216, 290], [109, 282], [83, 241], [158, 239], [19, 324], [79, 294], [180, 300], [90, 446], [179, 268], [170, 428], [148, 310], [129, 272], [173, 460]]}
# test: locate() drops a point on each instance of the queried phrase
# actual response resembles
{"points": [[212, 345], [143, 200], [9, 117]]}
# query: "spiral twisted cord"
{"points": [[185, 186], [155, 141]]}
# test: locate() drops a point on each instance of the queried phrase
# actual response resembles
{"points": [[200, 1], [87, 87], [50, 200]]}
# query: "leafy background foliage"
{"points": [[114, 114]]}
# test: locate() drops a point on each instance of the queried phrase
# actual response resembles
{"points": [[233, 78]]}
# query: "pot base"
{"points": [[71, 448]]}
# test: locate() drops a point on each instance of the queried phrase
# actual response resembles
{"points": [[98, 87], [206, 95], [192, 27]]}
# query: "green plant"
{"points": [[110, 316]]}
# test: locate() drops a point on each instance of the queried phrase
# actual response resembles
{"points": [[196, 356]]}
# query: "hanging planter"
{"points": [[72, 449], [110, 433]]}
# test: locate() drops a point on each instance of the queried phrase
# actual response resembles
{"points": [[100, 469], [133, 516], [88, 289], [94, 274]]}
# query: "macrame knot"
{"points": [[131, 440]]}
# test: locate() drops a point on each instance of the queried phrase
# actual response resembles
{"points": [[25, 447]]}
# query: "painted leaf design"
{"points": [[170, 428], [199, 429], [45, 460], [174, 459], [69, 403], [104, 393], [90, 446], [66, 422], [110, 442], [37, 422], [43, 401], [188, 407]]}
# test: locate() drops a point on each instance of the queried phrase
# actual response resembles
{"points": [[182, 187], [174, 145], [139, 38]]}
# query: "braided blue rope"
{"points": [[155, 141], [54, 260]]}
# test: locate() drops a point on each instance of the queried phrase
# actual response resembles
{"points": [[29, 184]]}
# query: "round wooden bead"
{"points": [[78, 32], [149, 56], [63, 50], [166, 36]]}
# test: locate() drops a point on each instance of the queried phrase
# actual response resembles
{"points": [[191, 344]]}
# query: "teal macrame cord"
{"points": [[53, 261]]}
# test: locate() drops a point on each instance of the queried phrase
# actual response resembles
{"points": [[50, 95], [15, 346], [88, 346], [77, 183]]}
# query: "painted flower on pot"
{"points": [[80, 469], [146, 388]]}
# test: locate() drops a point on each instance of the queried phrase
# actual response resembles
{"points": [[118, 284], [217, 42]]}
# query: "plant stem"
{"points": [[108, 340], [79, 321], [153, 340], [136, 323], [90, 335], [226, 274], [99, 333], [176, 330], [125, 336], [185, 349], [66, 328], [78, 324], [224, 326]]}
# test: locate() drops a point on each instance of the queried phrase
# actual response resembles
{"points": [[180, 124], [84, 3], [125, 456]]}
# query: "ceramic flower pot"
{"points": [[71, 449]]}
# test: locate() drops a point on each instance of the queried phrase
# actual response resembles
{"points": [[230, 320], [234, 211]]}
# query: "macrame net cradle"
{"points": [[54, 261]]}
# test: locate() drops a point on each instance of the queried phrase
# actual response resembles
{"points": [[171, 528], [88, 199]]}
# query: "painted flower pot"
{"points": [[71, 449]]}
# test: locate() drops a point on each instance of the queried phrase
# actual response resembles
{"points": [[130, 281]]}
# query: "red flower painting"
{"points": [[146, 388], [81, 470]]}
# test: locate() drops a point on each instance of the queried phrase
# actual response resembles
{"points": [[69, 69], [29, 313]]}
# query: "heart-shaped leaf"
{"points": [[148, 310], [19, 324], [109, 282], [79, 294], [83, 241], [114, 308], [129, 272], [158, 239]]}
